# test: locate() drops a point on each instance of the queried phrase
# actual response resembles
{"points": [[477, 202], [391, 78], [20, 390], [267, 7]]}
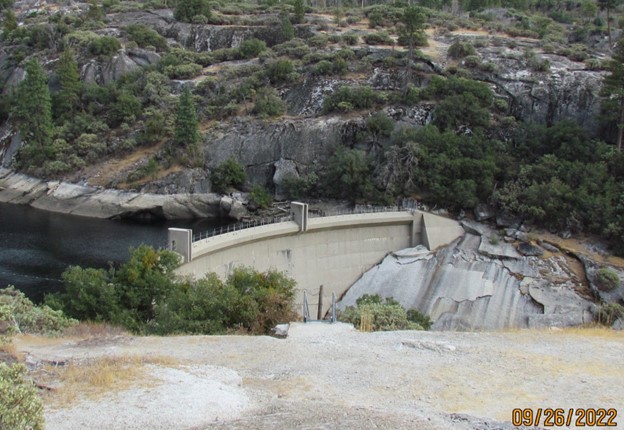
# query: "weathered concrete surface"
{"points": [[333, 252], [461, 288], [95, 202]]}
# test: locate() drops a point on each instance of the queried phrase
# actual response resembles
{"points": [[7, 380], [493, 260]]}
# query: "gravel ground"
{"points": [[330, 376]]}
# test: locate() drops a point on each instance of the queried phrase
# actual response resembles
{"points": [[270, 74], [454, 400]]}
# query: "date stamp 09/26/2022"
{"points": [[559, 417]]}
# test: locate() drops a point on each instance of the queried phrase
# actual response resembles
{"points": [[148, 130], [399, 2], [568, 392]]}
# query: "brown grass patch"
{"points": [[92, 329], [93, 379]]}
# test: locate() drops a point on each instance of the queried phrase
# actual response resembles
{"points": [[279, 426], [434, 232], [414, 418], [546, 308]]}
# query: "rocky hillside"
{"points": [[496, 103]]}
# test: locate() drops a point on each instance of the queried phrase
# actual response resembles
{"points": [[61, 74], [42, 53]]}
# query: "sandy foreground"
{"points": [[326, 376]]}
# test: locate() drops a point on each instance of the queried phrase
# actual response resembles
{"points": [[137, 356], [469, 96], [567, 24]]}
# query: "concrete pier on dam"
{"points": [[333, 251]]}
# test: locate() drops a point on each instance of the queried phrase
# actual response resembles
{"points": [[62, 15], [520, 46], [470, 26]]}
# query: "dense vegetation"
{"points": [[371, 313], [475, 149], [144, 296]]}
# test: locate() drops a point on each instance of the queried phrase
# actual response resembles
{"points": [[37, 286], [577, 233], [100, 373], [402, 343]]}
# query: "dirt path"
{"points": [[325, 376]]}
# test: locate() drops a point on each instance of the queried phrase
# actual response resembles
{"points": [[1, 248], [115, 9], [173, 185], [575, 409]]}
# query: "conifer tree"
{"points": [[413, 20], [67, 100], [186, 125], [613, 92], [33, 111]]}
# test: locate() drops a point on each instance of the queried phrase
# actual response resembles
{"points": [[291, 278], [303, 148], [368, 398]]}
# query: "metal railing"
{"points": [[405, 205], [241, 226]]}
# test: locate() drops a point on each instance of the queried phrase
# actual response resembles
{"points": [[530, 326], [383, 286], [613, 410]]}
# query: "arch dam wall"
{"points": [[332, 251]]}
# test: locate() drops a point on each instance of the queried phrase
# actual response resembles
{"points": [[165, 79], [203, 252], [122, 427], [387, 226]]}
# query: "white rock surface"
{"points": [[461, 288]]}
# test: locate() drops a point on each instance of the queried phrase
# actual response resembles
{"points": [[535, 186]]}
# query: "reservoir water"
{"points": [[37, 246]]}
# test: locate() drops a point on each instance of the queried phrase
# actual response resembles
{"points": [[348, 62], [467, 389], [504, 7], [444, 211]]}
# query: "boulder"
{"points": [[117, 66], [143, 57], [528, 249], [237, 211], [506, 220], [283, 169], [483, 212]]}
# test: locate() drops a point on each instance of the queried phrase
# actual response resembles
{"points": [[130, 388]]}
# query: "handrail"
{"points": [[404, 205], [241, 226]]}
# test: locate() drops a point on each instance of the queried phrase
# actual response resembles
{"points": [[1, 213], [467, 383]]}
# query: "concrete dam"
{"points": [[333, 251]]}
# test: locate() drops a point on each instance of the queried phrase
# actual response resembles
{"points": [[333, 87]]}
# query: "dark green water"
{"points": [[37, 246]]}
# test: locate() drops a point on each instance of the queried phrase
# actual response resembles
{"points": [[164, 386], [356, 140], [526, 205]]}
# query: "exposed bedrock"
{"points": [[462, 288]]}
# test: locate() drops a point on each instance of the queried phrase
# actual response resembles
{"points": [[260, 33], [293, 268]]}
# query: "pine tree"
{"points": [[613, 92], [413, 23], [33, 110], [186, 125], [67, 100], [299, 11]]}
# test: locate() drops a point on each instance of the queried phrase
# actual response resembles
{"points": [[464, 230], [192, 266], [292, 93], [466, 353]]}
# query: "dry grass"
{"points": [[92, 329], [95, 378]]}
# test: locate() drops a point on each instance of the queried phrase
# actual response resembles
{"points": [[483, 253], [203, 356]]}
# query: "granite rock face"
{"points": [[95, 202], [461, 288]]}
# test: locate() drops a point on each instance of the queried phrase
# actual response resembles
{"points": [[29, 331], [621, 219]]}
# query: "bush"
{"points": [[349, 176], [381, 38], [183, 71], [280, 71], [297, 188], [417, 317], [347, 98], [606, 279], [20, 313], [318, 41], [230, 174], [261, 197], [144, 36], [104, 46], [20, 404], [251, 48], [371, 314], [145, 296], [350, 39], [609, 313], [268, 103], [460, 49]]}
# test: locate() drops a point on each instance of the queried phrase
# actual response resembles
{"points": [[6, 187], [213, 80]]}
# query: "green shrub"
{"points": [[472, 61], [261, 197], [381, 38], [417, 317], [251, 48], [459, 49], [230, 174], [323, 67], [25, 317], [145, 36], [268, 103], [350, 39], [606, 279], [609, 313], [349, 176], [318, 41], [196, 11], [296, 188], [295, 48], [183, 71], [347, 98], [20, 404], [281, 71], [104, 46], [383, 316]]}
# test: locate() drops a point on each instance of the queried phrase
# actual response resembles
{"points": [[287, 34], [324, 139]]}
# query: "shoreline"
{"points": [[97, 202]]}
